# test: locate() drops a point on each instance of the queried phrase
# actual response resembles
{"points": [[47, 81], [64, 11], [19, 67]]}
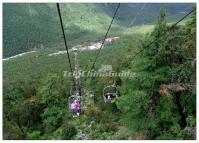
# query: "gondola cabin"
{"points": [[75, 103], [110, 93]]}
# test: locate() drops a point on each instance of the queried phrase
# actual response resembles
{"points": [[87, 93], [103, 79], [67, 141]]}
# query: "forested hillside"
{"points": [[157, 103], [35, 26]]}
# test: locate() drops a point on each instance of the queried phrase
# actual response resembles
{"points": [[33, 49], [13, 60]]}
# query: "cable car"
{"points": [[110, 93], [74, 98], [75, 103]]}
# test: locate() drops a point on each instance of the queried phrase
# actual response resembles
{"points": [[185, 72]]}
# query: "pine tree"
{"points": [[161, 65]]}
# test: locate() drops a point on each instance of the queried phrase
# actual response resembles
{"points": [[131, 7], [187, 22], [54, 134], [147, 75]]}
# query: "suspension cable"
{"points": [[62, 27], [169, 29], [136, 15], [131, 24], [93, 65]]}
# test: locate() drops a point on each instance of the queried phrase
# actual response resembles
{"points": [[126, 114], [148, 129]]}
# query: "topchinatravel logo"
{"points": [[104, 71]]}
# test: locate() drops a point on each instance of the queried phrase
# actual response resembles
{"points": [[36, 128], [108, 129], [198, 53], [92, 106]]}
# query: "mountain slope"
{"points": [[29, 26]]}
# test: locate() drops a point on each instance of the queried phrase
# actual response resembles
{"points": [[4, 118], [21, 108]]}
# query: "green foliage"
{"points": [[35, 135], [163, 62], [49, 93], [35, 106], [53, 117], [191, 120], [94, 113], [65, 132], [12, 131], [55, 111]]}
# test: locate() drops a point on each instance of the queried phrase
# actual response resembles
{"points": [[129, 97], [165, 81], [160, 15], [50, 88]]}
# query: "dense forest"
{"points": [[158, 102]]}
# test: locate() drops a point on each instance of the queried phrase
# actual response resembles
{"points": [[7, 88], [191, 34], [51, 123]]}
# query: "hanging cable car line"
{"points": [[169, 29], [143, 6], [113, 95], [182, 19], [93, 65], [111, 92], [134, 19], [138, 13], [62, 27], [75, 100]]}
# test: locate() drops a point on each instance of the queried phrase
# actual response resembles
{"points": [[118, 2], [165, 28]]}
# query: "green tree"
{"points": [[55, 110], [164, 62]]}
